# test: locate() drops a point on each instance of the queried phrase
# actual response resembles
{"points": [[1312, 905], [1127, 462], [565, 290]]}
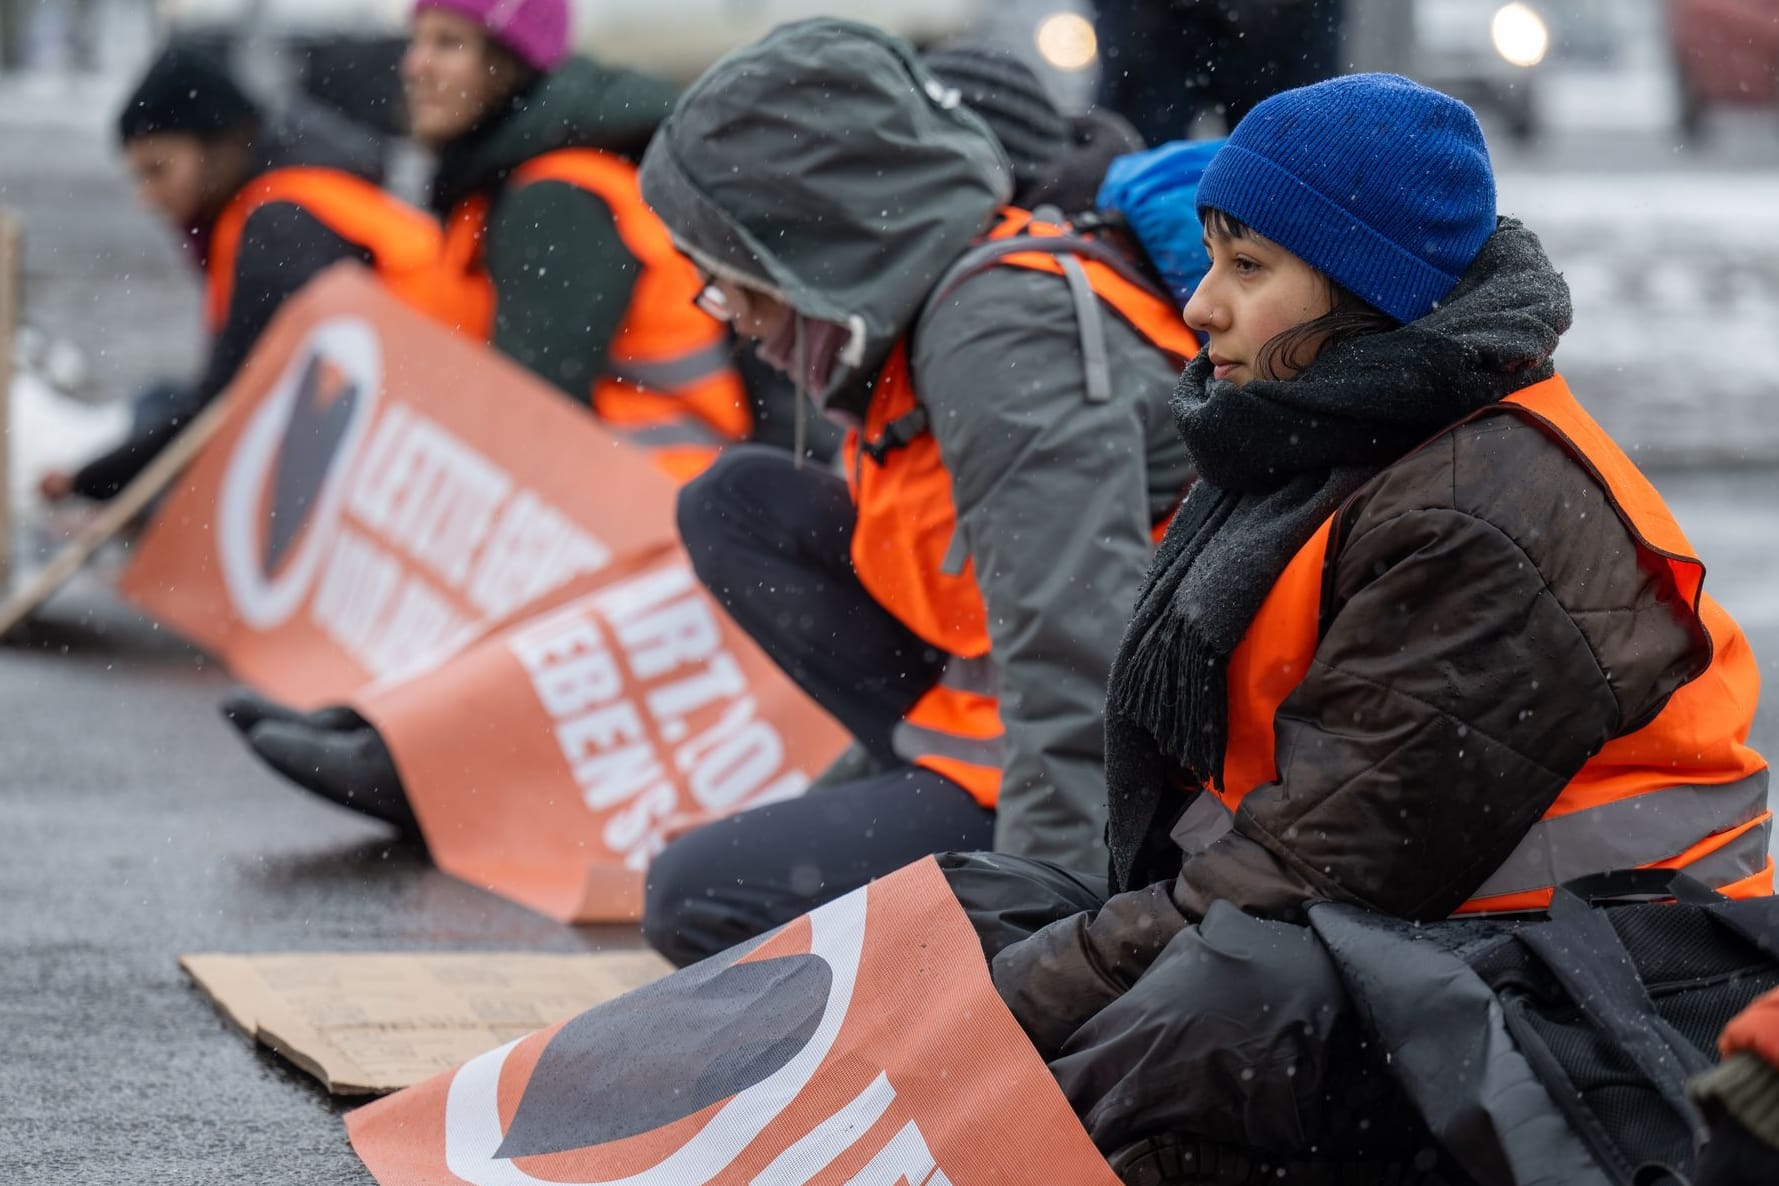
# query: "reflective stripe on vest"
{"points": [[671, 374], [403, 243], [1683, 791], [955, 728], [908, 551], [1637, 831]]}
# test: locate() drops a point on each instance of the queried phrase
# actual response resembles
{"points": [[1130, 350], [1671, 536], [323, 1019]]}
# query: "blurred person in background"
{"points": [[550, 254], [261, 207], [1058, 160], [1146, 208], [956, 604], [1166, 62]]}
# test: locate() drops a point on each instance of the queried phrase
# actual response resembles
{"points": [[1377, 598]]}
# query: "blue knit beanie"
{"points": [[1380, 183]]}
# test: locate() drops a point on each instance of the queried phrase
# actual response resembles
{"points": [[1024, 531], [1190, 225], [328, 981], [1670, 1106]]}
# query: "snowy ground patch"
{"points": [[49, 430], [1676, 284]]}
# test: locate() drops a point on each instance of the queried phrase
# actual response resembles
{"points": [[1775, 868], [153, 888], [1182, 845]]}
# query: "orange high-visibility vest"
{"points": [[462, 296], [907, 551], [1683, 792], [402, 241], [670, 382]]}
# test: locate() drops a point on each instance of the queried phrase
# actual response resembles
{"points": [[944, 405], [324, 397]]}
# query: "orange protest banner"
{"points": [[862, 1045], [584, 729], [384, 491], [394, 517]]}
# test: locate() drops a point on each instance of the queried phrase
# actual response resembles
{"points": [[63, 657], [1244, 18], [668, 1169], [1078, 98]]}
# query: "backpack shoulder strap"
{"points": [[1069, 249], [1588, 958], [985, 255]]}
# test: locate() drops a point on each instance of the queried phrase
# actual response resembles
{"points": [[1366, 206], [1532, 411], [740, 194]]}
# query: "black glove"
{"points": [[1061, 976], [246, 708], [333, 753]]}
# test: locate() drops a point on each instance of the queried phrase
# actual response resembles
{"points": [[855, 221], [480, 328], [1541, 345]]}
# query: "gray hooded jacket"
{"points": [[826, 163]]}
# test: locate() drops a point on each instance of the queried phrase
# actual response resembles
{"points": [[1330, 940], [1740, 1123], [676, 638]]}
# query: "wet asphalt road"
{"points": [[134, 828]]}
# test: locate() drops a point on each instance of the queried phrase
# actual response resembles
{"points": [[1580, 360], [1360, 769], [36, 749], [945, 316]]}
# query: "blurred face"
{"points": [[1255, 291], [451, 76], [750, 312], [182, 178]]}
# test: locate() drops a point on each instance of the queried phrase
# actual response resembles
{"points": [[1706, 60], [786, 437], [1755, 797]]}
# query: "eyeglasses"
{"points": [[710, 299]]}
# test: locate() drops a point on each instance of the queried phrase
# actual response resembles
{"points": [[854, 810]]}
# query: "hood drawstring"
{"points": [[800, 422]]}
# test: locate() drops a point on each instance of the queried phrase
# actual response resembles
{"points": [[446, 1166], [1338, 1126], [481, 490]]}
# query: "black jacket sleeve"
{"points": [[282, 248], [562, 282]]}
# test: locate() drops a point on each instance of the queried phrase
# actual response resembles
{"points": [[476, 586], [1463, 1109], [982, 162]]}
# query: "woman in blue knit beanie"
{"points": [[1421, 640]]}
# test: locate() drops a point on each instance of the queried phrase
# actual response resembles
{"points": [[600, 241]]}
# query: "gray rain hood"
{"points": [[827, 164]]}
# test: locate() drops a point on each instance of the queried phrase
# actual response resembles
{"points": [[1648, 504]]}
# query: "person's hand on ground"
{"points": [[56, 486]]}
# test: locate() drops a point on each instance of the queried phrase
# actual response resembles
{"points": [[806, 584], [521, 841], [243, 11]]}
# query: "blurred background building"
{"points": [[1600, 112], [1694, 55]]}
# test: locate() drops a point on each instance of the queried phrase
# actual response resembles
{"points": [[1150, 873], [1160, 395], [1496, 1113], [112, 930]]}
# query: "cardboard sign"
{"points": [[367, 1024], [394, 517], [862, 1045]]}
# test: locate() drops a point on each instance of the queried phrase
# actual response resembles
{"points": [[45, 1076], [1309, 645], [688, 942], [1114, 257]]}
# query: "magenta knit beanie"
{"points": [[536, 31]]}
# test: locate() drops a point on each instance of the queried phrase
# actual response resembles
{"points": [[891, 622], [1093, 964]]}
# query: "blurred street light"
{"points": [[1520, 35], [1067, 41]]}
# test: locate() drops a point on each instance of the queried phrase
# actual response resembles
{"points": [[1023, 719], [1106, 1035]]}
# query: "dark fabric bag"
{"points": [[1363, 1048], [1235, 1059], [1559, 1050]]}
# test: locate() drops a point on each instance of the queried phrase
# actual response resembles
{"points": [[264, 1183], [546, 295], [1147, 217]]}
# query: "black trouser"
{"points": [[773, 543], [1190, 1075]]}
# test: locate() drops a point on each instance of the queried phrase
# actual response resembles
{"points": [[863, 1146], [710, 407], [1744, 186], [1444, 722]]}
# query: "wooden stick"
{"points": [[116, 514], [11, 267]]}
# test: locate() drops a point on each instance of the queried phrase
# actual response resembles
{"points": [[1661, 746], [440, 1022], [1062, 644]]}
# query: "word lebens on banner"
{"points": [[640, 685]]}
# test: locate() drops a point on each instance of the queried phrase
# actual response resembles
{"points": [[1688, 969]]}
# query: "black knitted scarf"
{"points": [[1275, 460]]}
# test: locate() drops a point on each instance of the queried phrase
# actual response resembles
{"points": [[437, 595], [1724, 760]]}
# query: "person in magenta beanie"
{"points": [[491, 87], [534, 31]]}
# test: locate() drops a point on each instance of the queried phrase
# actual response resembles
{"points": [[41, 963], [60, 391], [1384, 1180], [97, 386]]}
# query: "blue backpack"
{"points": [[1157, 194]]}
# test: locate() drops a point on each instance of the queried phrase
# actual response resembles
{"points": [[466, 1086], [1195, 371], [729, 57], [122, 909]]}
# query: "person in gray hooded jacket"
{"points": [[1014, 408]]}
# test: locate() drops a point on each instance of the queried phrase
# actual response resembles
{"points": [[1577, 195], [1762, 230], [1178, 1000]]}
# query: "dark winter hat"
{"points": [[1381, 183], [184, 91], [1004, 91]]}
